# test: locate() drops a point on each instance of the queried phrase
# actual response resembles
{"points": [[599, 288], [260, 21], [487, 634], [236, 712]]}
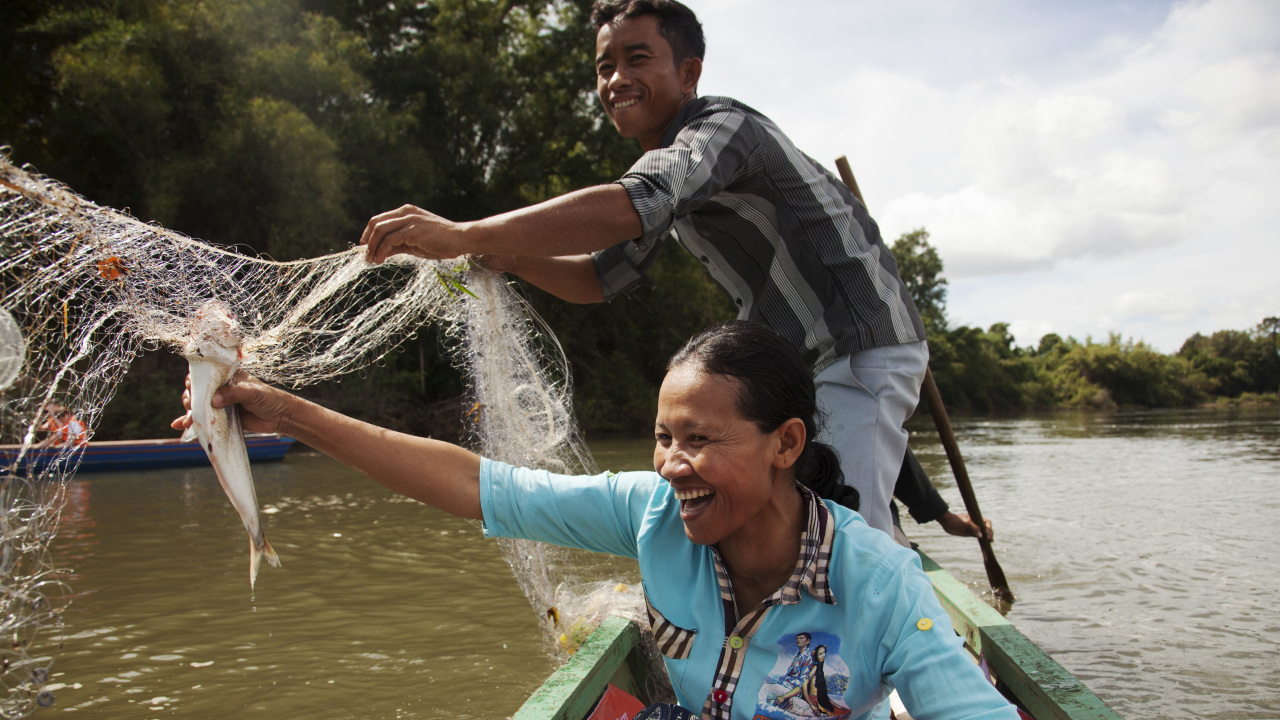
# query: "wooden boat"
{"points": [[116, 455], [1021, 670]]}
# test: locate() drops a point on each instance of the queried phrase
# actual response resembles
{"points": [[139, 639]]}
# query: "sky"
{"points": [[1083, 168]]}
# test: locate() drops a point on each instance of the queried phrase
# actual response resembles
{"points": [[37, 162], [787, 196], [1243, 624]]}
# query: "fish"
{"points": [[214, 353]]}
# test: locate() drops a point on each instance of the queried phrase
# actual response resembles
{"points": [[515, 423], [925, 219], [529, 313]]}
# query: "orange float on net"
{"points": [[113, 268]]}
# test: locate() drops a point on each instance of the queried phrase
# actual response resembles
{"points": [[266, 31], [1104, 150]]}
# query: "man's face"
{"points": [[640, 85]]}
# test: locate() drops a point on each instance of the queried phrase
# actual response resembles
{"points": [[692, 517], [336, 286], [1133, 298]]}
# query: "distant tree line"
{"points": [[984, 370], [282, 125]]}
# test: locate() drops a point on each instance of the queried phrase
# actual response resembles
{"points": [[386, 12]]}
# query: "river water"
{"points": [[1140, 546]]}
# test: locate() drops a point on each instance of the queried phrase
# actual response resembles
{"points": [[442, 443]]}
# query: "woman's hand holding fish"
{"points": [[436, 473], [263, 409]]}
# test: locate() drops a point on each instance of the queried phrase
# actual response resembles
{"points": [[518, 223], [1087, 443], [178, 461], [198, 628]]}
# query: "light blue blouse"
{"points": [[884, 630]]}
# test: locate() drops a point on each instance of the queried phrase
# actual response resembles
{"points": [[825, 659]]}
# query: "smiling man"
{"points": [[779, 233]]}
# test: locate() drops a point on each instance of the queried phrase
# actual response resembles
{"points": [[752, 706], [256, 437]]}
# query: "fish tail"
{"points": [[256, 553]]}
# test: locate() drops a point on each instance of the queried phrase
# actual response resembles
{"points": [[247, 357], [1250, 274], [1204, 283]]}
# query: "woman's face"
{"points": [[720, 464]]}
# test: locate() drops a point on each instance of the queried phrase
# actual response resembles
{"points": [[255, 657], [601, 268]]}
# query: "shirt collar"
{"points": [[812, 565], [680, 120]]}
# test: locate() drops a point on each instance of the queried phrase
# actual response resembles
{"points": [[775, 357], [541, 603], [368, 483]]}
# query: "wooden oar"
{"points": [[929, 390]]}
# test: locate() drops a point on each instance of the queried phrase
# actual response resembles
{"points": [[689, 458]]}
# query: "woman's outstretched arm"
{"points": [[437, 473]]}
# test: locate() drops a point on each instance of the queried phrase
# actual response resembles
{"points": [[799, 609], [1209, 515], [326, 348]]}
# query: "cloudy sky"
{"points": [[1083, 167]]}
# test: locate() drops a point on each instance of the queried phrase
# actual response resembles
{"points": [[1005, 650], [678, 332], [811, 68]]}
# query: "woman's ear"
{"points": [[791, 437]]}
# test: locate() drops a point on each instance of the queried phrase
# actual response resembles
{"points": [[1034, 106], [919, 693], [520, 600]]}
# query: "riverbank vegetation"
{"points": [[282, 126], [984, 370]]}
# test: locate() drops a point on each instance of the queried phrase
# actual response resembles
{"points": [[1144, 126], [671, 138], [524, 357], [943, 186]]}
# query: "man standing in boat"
{"points": [[785, 239]]}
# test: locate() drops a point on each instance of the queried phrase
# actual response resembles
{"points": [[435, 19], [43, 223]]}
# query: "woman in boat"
{"points": [[738, 550]]}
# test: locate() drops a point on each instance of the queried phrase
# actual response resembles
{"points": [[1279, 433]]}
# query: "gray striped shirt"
{"points": [[791, 245]]}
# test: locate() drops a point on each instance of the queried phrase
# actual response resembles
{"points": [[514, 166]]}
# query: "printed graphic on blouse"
{"points": [[808, 681]]}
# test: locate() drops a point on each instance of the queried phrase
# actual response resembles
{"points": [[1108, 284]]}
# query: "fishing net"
{"points": [[84, 289]]}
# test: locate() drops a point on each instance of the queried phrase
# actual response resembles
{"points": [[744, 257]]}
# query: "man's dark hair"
{"points": [[677, 23]]}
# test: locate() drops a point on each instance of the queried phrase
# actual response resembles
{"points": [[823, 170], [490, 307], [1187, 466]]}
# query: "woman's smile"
{"points": [[694, 501]]}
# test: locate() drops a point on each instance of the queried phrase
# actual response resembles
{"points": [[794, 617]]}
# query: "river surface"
{"points": [[1141, 547]]}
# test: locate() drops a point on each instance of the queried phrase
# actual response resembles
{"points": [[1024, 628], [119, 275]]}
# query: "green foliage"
{"points": [[146, 400], [1121, 372], [920, 268], [1234, 362]]}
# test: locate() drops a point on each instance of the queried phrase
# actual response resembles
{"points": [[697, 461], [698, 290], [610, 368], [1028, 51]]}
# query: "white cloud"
{"points": [[1081, 168]]}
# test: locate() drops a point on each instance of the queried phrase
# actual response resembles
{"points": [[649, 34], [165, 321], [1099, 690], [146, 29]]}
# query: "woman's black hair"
{"points": [[825, 705], [774, 385]]}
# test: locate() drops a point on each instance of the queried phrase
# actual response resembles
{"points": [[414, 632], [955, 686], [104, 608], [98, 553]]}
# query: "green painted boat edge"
{"points": [[1040, 684], [611, 654]]}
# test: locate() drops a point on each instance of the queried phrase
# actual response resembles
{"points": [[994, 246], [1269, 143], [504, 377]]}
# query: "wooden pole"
{"points": [[929, 391]]}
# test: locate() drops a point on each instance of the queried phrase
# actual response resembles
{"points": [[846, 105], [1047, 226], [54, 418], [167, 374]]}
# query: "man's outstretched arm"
{"points": [[579, 222], [572, 278]]}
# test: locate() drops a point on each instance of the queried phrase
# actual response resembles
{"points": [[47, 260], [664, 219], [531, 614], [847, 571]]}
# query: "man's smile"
{"points": [[625, 103]]}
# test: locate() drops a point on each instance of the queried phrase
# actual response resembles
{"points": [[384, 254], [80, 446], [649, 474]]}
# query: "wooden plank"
{"points": [[571, 691], [1040, 684]]}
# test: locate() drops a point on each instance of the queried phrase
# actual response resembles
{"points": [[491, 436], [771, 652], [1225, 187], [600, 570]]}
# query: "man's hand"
{"points": [[413, 231], [263, 409], [964, 526]]}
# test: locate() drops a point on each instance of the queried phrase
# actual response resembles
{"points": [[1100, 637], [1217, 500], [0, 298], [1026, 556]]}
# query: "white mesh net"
{"points": [[86, 288]]}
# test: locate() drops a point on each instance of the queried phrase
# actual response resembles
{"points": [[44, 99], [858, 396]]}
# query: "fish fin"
{"points": [[270, 553], [189, 435]]}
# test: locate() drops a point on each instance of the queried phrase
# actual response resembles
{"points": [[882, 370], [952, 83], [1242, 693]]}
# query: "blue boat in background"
{"points": [[118, 455]]}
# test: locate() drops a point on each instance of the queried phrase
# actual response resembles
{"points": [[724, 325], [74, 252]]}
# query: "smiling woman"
{"points": [[739, 552]]}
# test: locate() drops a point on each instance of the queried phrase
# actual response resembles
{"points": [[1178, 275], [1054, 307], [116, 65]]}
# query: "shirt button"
{"points": [[924, 624], [704, 259], [720, 696], [739, 301], [735, 642]]}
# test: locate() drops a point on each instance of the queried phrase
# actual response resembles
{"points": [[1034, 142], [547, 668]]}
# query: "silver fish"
{"points": [[213, 353]]}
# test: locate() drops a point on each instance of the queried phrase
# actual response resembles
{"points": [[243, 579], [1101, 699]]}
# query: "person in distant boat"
{"points": [[63, 428], [916, 491], [743, 533], [790, 244]]}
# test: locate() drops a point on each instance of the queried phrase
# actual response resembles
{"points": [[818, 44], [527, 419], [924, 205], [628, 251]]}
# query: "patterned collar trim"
{"points": [[812, 566]]}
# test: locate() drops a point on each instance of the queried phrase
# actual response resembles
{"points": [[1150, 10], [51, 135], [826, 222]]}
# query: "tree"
{"points": [[920, 268]]}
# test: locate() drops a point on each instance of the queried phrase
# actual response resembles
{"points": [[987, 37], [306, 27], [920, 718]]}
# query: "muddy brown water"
{"points": [[1141, 547]]}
